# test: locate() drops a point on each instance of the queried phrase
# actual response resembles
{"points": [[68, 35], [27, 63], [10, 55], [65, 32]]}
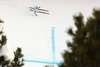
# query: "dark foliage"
{"points": [[18, 60], [85, 46]]}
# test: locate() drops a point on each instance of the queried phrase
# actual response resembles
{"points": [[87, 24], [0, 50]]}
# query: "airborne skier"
{"points": [[37, 9]]}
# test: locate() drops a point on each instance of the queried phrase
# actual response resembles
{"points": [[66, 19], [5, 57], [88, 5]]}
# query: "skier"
{"points": [[35, 9]]}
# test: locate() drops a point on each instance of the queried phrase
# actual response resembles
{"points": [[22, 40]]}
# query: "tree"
{"points": [[2, 43], [85, 45], [18, 60]]}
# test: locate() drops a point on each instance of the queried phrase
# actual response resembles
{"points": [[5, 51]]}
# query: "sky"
{"points": [[34, 33]]}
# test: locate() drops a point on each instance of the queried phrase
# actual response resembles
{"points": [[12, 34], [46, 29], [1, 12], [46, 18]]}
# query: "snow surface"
{"points": [[33, 33], [7, 52], [1, 26]]}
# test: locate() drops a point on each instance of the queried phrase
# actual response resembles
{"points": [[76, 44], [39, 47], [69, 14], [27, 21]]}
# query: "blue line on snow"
{"points": [[53, 49], [53, 43], [42, 62]]}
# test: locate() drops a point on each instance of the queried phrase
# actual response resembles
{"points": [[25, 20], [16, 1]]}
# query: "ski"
{"points": [[42, 12], [31, 7], [39, 9]]}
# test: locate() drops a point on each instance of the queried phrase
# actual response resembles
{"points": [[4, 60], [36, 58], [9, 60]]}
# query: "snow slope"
{"points": [[33, 33], [7, 52]]}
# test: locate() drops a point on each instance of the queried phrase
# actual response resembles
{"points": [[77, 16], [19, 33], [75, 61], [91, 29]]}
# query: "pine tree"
{"points": [[2, 43], [85, 45], [18, 60]]}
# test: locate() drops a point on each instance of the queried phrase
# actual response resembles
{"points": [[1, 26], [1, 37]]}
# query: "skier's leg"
{"points": [[35, 12]]}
